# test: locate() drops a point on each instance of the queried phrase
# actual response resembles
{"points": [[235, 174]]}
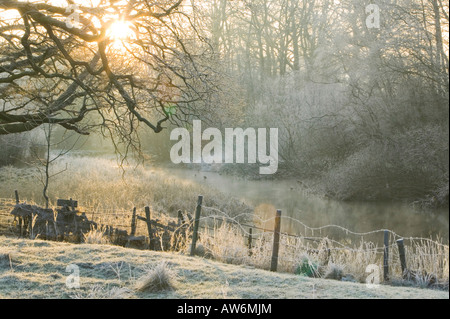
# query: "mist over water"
{"points": [[315, 211]]}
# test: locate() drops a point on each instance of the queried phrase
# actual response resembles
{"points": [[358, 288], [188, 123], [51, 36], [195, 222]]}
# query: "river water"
{"points": [[315, 211]]}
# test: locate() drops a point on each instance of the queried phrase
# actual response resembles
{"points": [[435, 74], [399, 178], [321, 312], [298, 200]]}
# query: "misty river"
{"points": [[315, 211]]}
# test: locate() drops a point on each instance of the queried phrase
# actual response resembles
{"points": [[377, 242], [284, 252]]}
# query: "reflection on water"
{"points": [[315, 211]]}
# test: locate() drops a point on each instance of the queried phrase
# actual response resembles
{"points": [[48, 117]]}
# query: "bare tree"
{"points": [[115, 66]]}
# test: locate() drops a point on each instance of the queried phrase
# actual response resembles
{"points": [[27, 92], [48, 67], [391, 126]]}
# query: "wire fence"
{"points": [[245, 238], [118, 218], [425, 255], [243, 226], [114, 215]]}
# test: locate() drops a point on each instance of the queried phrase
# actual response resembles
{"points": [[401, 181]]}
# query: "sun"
{"points": [[121, 30]]}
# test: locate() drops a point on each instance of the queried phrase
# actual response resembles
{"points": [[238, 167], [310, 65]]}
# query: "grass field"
{"points": [[37, 269], [100, 183]]}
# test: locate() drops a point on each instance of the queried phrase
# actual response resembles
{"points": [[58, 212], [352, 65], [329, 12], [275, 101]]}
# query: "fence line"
{"points": [[201, 225], [317, 239], [6, 203], [312, 229], [392, 242]]}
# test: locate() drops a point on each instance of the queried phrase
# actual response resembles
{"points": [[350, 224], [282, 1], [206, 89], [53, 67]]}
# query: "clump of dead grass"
{"points": [[156, 279], [97, 237]]}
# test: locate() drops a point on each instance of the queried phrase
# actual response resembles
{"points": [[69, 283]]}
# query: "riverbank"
{"points": [[108, 194], [99, 182]]}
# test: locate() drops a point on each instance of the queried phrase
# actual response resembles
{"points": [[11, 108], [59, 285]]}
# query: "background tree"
{"points": [[362, 112]]}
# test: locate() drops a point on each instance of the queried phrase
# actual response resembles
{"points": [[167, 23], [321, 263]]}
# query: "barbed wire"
{"points": [[312, 229], [98, 213], [348, 248], [258, 254], [342, 247]]}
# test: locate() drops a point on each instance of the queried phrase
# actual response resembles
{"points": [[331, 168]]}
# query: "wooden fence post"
{"points": [[17, 196], [196, 224], [386, 256], [133, 223], [149, 225], [250, 235], [30, 226], [402, 254], [16, 193], [276, 242]]}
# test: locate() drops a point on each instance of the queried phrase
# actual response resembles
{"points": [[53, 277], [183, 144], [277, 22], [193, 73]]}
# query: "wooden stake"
{"points": [[133, 223], [196, 224], [402, 254], [386, 256], [250, 235], [276, 241], [149, 225], [17, 196]]}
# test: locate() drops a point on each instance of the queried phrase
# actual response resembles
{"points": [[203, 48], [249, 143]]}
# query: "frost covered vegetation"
{"points": [[36, 269], [362, 112], [352, 151], [362, 115], [19, 148], [325, 258], [100, 183], [102, 189]]}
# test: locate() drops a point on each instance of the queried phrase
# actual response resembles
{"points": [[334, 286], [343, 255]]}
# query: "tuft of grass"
{"points": [[6, 260], [156, 279], [224, 243], [307, 267], [96, 236], [334, 271], [424, 279]]}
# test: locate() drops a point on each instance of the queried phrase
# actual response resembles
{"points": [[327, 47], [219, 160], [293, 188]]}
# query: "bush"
{"points": [[307, 268], [16, 148], [334, 272], [408, 166], [381, 147], [96, 236]]}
